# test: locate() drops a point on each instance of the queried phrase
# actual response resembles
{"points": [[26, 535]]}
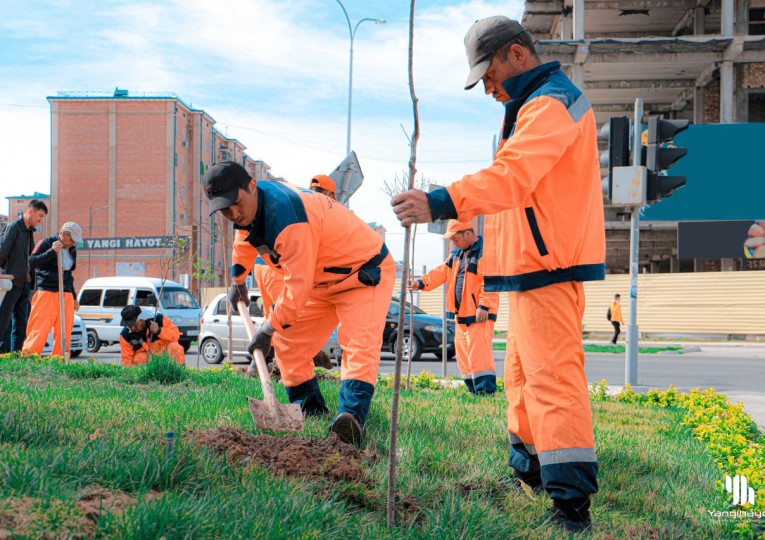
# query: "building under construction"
{"points": [[702, 60]]}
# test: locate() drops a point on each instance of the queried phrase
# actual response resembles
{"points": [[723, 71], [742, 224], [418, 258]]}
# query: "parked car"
{"points": [[428, 330], [213, 337], [78, 339], [102, 299]]}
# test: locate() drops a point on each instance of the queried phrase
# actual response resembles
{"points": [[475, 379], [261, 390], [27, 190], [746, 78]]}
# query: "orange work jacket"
{"points": [[314, 241], [473, 294], [542, 194]]}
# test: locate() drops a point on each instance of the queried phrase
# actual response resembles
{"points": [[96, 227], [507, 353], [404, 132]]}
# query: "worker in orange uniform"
{"points": [[45, 310], [144, 332], [322, 183], [335, 268], [270, 282], [544, 236], [615, 316], [475, 309]]}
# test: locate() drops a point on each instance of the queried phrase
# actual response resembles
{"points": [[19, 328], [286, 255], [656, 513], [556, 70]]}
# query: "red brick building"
{"points": [[18, 204], [130, 165]]}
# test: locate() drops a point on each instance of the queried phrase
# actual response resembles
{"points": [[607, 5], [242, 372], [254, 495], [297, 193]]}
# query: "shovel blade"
{"points": [[276, 416]]}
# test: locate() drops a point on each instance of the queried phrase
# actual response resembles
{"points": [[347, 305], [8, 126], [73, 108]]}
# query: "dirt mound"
{"points": [[330, 458], [27, 516]]}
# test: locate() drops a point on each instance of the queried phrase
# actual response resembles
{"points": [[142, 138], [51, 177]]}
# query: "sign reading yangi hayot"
{"points": [[133, 243]]}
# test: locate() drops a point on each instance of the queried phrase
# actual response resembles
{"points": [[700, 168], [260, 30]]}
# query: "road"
{"points": [[731, 369]]}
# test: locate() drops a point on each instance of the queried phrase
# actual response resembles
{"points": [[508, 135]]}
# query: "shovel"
{"points": [[269, 413], [61, 319]]}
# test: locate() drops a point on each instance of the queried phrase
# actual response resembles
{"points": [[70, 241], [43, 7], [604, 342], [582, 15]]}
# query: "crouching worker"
{"points": [[144, 332], [474, 308], [335, 269]]}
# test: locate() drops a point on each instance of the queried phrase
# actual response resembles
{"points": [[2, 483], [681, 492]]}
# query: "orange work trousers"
{"points": [[44, 317], [473, 345], [360, 310], [549, 418], [173, 348]]}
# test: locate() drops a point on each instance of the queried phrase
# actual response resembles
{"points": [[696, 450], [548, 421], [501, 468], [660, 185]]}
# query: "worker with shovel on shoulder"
{"points": [[335, 268], [146, 332], [45, 310]]}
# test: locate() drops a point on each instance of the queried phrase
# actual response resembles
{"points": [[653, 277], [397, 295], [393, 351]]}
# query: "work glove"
{"points": [[237, 293], [261, 340]]}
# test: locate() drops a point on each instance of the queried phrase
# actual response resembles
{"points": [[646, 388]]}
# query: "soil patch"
{"points": [[330, 458], [27, 516]]}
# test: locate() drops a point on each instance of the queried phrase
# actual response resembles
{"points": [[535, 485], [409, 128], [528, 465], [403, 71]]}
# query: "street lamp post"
{"points": [[352, 34], [90, 228]]}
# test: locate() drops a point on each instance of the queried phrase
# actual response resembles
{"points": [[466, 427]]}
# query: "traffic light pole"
{"points": [[631, 352]]}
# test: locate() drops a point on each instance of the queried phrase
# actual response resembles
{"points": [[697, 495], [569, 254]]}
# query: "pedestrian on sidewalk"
{"points": [[45, 313], [543, 237], [615, 316], [15, 248], [474, 309]]}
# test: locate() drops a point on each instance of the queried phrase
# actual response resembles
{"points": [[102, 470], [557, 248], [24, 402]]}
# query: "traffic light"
{"points": [[617, 133], [660, 157]]}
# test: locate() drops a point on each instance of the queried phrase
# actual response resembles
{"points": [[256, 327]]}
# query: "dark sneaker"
{"points": [[559, 519], [347, 428]]}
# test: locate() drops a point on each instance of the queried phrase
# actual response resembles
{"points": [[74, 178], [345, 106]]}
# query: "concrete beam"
{"points": [[639, 4], [629, 107], [685, 21], [582, 51], [579, 19], [682, 99], [734, 50], [640, 84], [706, 76]]}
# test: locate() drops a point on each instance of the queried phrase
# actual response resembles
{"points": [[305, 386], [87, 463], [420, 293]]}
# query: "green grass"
{"points": [[588, 348], [64, 428]]}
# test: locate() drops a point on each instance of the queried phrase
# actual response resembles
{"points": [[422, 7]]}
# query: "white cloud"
{"points": [[272, 73]]}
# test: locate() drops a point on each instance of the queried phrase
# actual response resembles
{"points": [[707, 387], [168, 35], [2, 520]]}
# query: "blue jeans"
{"points": [[14, 313]]}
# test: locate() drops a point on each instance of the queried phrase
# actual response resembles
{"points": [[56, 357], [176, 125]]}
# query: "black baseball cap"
{"points": [[130, 315], [221, 183], [483, 39]]}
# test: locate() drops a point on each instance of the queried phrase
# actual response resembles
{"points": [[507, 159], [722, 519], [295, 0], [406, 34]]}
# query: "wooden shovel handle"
{"points": [[61, 318], [257, 356]]}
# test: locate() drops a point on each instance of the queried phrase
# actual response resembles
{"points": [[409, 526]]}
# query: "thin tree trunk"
{"points": [[227, 281], [391, 506], [411, 318]]}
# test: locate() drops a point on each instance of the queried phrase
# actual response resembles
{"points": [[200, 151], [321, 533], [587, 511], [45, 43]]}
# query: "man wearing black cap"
{"points": [[543, 236], [144, 333], [335, 269]]}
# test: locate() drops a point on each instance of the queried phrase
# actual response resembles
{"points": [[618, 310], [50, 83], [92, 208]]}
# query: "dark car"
{"points": [[427, 332]]}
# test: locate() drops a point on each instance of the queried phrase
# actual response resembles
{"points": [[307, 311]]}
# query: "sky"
{"points": [[273, 74]]}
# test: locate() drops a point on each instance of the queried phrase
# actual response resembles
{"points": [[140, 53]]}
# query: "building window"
{"points": [[756, 107], [757, 22]]}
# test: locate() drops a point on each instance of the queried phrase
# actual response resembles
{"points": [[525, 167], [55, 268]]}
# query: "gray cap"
{"points": [[483, 39]]}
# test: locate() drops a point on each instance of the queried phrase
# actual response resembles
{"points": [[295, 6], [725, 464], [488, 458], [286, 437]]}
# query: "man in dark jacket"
{"points": [[45, 302], [15, 247]]}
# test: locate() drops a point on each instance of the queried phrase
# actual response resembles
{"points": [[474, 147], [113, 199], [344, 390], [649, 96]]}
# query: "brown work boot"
{"points": [[347, 428]]}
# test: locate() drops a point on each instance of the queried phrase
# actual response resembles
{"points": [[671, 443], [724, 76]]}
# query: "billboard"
{"points": [[725, 176], [721, 239]]}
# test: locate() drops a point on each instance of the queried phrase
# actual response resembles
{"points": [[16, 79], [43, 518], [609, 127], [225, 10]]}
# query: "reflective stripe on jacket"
{"points": [[312, 239], [473, 294], [542, 194]]}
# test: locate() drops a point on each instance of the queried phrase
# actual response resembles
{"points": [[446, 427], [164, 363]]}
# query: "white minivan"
{"points": [[102, 299]]}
